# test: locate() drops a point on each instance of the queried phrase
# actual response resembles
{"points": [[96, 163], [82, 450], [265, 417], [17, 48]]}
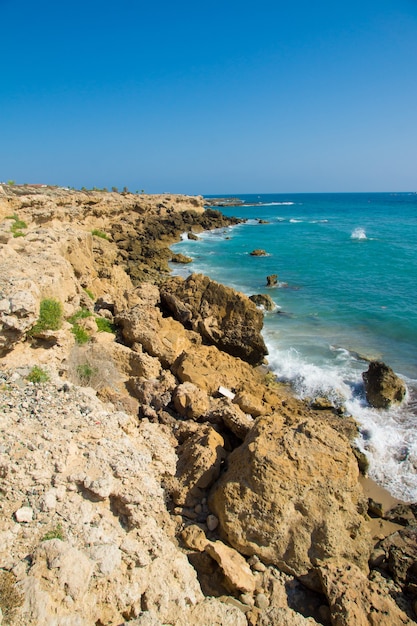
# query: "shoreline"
{"points": [[160, 464]]}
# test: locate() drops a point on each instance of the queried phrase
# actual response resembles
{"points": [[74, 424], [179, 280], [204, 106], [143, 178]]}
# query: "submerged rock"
{"points": [[382, 386]]}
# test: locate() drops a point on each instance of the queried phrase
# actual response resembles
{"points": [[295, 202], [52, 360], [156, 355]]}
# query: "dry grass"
{"points": [[10, 598], [92, 366]]}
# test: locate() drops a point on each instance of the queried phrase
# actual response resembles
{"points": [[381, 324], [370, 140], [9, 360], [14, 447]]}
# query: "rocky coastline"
{"points": [[152, 470]]}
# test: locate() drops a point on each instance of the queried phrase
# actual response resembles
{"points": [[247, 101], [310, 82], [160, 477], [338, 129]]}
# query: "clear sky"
{"points": [[210, 97]]}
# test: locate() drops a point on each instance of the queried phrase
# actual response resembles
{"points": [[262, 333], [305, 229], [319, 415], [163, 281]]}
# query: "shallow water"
{"points": [[347, 274]]}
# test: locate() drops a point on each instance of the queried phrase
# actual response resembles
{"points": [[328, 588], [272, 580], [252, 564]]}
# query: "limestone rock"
{"points": [[249, 403], [232, 416], [19, 310], [263, 300], [258, 252], [290, 495], [353, 599], [208, 368], [272, 280], [400, 550], [143, 323], [198, 466], [236, 570], [383, 387], [223, 316], [190, 401]]}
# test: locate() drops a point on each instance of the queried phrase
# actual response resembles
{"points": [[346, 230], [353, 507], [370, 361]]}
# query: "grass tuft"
{"points": [[37, 375], [50, 316]]}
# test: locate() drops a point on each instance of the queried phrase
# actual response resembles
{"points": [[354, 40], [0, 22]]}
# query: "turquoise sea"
{"points": [[347, 280]]}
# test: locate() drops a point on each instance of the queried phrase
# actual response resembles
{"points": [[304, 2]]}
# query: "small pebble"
{"points": [[261, 601], [24, 514], [212, 522]]}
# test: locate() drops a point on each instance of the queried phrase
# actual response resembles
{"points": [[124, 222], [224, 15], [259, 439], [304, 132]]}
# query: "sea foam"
{"points": [[358, 233]]}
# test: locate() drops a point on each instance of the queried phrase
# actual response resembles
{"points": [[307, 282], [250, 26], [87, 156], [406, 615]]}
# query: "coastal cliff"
{"points": [[152, 471]]}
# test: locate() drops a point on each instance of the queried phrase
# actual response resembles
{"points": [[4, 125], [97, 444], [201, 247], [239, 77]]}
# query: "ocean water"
{"points": [[346, 293]]}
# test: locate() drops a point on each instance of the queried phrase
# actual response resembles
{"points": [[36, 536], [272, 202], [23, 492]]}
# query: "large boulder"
{"points": [[224, 317], [382, 386], [291, 496]]}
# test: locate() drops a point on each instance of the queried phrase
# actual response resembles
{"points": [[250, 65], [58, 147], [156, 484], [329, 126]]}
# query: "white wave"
{"points": [[387, 437], [358, 233], [276, 204], [294, 221]]}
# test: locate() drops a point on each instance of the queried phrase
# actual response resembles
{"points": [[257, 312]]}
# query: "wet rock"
{"points": [[258, 252], [383, 387], [272, 280], [264, 301]]}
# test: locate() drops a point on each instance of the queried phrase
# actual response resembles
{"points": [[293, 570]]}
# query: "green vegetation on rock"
{"points": [[50, 316], [37, 375]]}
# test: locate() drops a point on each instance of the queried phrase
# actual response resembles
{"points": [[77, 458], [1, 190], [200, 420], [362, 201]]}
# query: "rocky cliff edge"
{"points": [[151, 472]]}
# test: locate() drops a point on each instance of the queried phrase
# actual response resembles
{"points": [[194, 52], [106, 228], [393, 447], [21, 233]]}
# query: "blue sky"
{"points": [[218, 97]]}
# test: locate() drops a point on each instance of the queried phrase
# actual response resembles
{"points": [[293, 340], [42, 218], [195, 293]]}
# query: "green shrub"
{"points": [[79, 315], [92, 366], [17, 225], [54, 533], [37, 375], [50, 316], [85, 373], [99, 233], [80, 334], [89, 294], [104, 325]]}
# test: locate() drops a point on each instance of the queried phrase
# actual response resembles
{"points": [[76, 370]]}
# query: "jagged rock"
{"points": [[235, 568], [209, 368], [199, 462], [400, 550], [258, 252], [263, 300], [194, 538], [181, 258], [154, 392], [190, 401], [284, 616], [223, 316], [19, 309], [290, 495], [353, 599], [249, 404], [272, 280], [143, 323], [232, 416], [404, 514], [382, 386]]}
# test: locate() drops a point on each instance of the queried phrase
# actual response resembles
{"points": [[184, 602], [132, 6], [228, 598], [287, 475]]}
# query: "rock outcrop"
{"points": [[119, 422], [223, 317], [382, 386], [290, 495]]}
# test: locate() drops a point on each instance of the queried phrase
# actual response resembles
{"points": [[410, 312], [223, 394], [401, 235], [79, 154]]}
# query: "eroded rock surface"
{"points": [[224, 317], [383, 387], [290, 495]]}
